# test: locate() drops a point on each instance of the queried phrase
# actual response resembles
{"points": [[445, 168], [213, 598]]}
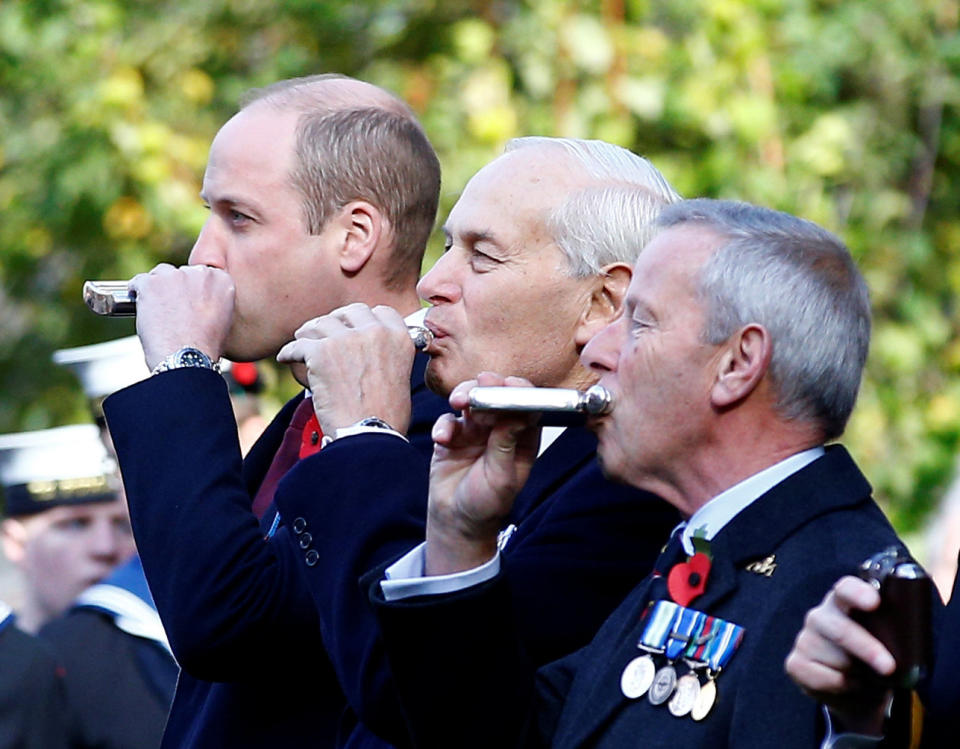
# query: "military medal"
{"points": [[685, 695], [705, 699], [664, 682], [638, 675]]}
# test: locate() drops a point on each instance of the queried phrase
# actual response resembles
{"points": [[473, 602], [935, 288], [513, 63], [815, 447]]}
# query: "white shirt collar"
{"points": [[723, 508]]}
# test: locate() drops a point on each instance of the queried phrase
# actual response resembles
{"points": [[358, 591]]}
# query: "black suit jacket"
{"points": [[580, 544], [472, 685], [238, 615]]}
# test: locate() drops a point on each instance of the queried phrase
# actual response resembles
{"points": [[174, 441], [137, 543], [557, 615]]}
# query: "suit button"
{"points": [[299, 526], [305, 540], [311, 557]]}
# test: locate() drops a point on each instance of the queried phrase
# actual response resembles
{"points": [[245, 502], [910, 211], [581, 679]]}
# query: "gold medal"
{"points": [[664, 682], [685, 695], [705, 699], [637, 677]]}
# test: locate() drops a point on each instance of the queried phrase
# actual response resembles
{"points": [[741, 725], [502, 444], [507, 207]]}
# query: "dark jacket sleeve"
{"points": [[221, 589], [574, 557]]}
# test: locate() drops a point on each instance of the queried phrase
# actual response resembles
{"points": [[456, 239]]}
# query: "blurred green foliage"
{"points": [[842, 111]]}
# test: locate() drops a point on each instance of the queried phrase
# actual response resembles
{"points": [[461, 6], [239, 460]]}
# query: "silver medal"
{"points": [[637, 677], [685, 695], [664, 682]]}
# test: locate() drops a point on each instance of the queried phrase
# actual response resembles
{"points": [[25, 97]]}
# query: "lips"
{"points": [[438, 332]]}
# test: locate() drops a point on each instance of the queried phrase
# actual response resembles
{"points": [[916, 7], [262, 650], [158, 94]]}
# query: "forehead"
{"points": [[255, 147], [74, 512], [516, 191], [672, 261]]}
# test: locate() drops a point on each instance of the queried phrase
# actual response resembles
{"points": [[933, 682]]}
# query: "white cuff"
{"points": [[405, 578], [350, 431]]}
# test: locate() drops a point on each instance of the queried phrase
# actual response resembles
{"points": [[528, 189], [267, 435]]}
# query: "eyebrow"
{"points": [[226, 200]]}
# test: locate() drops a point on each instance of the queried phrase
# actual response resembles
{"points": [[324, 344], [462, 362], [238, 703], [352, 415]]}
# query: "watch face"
{"points": [[191, 357]]}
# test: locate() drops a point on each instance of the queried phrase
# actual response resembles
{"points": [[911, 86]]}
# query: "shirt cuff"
{"points": [[355, 429], [846, 740], [405, 578]]}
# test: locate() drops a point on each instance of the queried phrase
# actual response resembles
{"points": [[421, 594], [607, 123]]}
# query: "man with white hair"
{"points": [[538, 255]]}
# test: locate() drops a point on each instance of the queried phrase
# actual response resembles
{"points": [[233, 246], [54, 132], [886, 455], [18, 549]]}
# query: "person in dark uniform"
{"points": [[33, 711], [322, 191], [118, 669], [738, 356], [65, 528]]}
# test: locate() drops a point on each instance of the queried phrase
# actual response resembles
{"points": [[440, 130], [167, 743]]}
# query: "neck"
{"points": [[405, 301], [31, 616], [738, 451]]}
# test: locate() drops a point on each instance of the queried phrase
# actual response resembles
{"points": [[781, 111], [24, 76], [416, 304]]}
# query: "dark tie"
{"points": [[286, 457], [671, 555]]}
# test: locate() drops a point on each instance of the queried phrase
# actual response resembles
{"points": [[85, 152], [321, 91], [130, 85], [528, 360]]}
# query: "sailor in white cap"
{"points": [[119, 672], [65, 526]]}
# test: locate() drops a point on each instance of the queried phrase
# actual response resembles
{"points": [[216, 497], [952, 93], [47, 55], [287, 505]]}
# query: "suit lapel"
{"points": [[572, 450]]}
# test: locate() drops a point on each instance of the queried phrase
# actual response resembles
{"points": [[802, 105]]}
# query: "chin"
{"points": [[435, 381]]}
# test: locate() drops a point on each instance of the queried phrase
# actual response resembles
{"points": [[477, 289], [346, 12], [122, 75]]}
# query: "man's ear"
{"points": [[360, 225], [13, 535], [743, 362], [605, 302]]}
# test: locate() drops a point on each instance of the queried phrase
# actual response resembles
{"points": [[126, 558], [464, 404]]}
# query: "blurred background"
{"points": [[841, 111]]}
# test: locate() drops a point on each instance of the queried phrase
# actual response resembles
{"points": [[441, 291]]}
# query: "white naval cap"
{"points": [[64, 465], [104, 368]]}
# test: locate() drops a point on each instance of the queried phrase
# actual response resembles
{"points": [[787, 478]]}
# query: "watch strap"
{"points": [[186, 357]]}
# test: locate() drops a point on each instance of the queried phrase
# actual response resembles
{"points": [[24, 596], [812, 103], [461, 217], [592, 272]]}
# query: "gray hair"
{"points": [[610, 221], [797, 280], [356, 141]]}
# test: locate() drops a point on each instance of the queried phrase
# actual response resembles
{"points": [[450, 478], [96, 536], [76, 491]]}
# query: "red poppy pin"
{"points": [[687, 580]]}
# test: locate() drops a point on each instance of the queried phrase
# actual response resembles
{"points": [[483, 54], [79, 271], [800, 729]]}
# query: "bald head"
{"points": [[329, 92], [356, 141]]}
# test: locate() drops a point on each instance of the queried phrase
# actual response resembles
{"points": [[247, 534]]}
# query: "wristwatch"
{"points": [[187, 357]]}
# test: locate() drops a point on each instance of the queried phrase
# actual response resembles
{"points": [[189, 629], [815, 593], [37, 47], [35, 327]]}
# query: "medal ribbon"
{"points": [[681, 633], [659, 624], [703, 637], [724, 643]]}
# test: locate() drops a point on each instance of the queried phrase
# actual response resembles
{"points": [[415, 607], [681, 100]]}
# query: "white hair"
{"points": [[611, 220]]}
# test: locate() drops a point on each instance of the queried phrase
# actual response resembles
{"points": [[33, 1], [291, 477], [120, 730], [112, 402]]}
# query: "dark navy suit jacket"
{"points": [[465, 681], [581, 543], [238, 615]]}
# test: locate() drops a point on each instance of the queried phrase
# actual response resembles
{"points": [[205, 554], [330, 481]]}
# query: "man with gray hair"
{"points": [[538, 254], [738, 356], [322, 191]]}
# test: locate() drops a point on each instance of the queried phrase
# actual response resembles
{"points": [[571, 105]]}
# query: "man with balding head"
{"points": [[321, 191]]}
